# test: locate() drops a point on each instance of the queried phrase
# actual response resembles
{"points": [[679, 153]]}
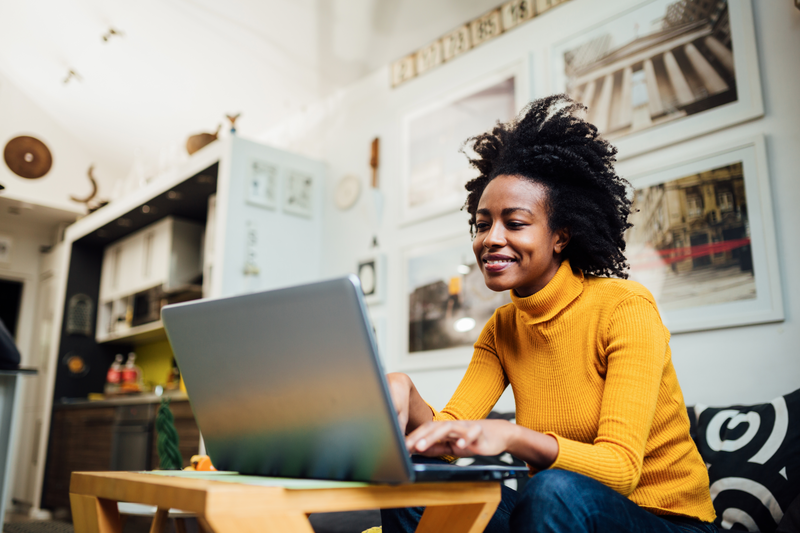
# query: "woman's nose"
{"points": [[495, 237]]}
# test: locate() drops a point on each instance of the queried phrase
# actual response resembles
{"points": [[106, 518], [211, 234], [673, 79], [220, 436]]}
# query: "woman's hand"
{"points": [[412, 411], [461, 438], [464, 438]]}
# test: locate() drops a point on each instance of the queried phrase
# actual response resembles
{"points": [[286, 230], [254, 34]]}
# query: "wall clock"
{"points": [[347, 192]]}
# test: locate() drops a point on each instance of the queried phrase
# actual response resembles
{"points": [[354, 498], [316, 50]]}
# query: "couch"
{"points": [[753, 459]]}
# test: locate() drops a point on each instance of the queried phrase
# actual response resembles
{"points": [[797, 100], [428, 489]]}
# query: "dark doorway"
{"points": [[10, 299], [699, 239]]}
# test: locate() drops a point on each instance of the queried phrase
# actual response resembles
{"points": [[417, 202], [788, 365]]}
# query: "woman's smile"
{"points": [[514, 245], [497, 262]]}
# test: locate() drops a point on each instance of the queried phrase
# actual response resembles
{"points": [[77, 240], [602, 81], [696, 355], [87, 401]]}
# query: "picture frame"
{"points": [[262, 186], [446, 303], [650, 90], [298, 193], [371, 271], [705, 243], [434, 171]]}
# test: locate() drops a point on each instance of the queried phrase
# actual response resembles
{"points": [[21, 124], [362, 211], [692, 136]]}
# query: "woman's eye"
{"points": [[515, 225], [481, 226]]}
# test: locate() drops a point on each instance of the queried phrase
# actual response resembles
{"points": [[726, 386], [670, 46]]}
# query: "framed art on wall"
{"points": [[447, 303], [371, 271], [434, 168], [663, 72], [703, 240]]}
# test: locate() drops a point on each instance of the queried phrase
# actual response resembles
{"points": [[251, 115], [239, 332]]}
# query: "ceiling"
{"points": [[176, 67]]}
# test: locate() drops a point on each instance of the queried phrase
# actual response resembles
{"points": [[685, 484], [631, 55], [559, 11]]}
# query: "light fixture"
{"points": [[174, 195], [462, 325], [463, 269], [124, 222]]}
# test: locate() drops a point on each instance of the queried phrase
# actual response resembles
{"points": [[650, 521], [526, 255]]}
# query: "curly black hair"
{"points": [[548, 144]]}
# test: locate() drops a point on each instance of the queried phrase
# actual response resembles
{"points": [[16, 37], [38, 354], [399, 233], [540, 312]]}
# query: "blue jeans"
{"points": [[560, 501]]}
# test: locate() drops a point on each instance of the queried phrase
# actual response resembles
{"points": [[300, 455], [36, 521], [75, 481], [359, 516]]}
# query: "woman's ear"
{"points": [[562, 239]]}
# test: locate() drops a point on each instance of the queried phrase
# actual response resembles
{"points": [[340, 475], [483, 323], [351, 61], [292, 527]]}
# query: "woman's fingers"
{"points": [[458, 434]]}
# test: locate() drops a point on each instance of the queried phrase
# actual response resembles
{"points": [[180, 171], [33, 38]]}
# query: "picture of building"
{"points": [[448, 301], [657, 64], [690, 241]]}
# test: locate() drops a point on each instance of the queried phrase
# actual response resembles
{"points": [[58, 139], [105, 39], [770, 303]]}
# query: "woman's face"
{"points": [[513, 244]]}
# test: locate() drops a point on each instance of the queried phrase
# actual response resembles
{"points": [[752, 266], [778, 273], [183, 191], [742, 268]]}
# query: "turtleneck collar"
{"points": [[555, 296]]}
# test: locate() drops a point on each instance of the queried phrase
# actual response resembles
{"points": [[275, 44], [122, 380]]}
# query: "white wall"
{"points": [[741, 365], [19, 115]]}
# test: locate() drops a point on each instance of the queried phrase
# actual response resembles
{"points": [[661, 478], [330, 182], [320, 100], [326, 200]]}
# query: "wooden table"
{"points": [[225, 502]]}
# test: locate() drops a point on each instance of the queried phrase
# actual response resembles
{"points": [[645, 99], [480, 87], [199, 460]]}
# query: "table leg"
{"points": [[159, 520], [471, 518], [289, 522], [94, 515]]}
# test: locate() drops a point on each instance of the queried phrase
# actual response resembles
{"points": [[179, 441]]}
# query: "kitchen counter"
{"points": [[126, 399]]}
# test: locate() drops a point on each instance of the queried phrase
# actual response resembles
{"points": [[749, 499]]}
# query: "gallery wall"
{"points": [[750, 363]]}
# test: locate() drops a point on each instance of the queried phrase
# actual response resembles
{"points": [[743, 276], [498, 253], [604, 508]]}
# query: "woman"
{"points": [[601, 420]]}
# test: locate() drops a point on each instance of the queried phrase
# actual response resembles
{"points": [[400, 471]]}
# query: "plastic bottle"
{"points": [[114, 376], [131, 375]]}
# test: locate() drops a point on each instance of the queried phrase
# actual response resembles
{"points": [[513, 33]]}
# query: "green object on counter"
{"points": [[169, 455]]}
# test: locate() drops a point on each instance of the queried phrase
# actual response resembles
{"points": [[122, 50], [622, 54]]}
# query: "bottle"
{"points": [[114, 376], [131, 375]]}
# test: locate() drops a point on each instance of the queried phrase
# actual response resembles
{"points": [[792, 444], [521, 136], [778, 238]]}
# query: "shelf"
{"points": [[152, 331]]}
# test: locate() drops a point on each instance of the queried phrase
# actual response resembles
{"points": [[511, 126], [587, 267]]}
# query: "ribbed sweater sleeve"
{"points": [[635, 353], [483, 382]]}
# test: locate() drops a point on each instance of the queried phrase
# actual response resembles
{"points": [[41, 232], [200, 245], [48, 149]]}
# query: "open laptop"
{"points": [[288, 383]]}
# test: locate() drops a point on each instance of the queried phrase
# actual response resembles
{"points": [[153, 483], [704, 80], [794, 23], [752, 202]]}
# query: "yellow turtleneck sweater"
{"points": [[589, 362]]}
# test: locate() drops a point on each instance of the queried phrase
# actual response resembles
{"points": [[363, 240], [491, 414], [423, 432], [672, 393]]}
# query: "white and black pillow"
{"points": [[753, 459]]}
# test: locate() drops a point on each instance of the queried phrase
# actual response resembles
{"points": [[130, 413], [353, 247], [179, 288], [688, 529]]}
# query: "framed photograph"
{"points": [[371, 271], [663, 72], [447, 303], [262, 188], [703, 240], [298, 197], [434, 169]]}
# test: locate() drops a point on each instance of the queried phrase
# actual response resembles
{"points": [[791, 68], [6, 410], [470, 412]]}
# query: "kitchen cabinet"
{"points": [[82, 440], [142, 269]]}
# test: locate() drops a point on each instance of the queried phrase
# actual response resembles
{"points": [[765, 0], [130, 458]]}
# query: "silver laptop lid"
{"points": [[288, 383]]}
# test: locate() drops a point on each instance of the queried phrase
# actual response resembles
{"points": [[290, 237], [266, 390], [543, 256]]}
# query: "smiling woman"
{"points": [[601, 420]]}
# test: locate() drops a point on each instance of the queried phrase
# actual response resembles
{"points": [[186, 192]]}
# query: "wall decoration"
{"points": [[6, 245], [80, 314], [435, 171], [199, 140], [371, 271], [447, 301], [663, 72], [262, 188], [347, 191], [298, 196], [232, 119], [90, 206], [474, 33], [703, 240], [28, 157]]}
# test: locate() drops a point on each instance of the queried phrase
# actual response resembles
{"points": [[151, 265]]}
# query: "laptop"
{"points": [[288, 383]]}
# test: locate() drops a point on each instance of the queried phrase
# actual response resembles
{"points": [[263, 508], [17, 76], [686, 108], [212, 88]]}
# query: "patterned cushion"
{"points": [[753, 459]]}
